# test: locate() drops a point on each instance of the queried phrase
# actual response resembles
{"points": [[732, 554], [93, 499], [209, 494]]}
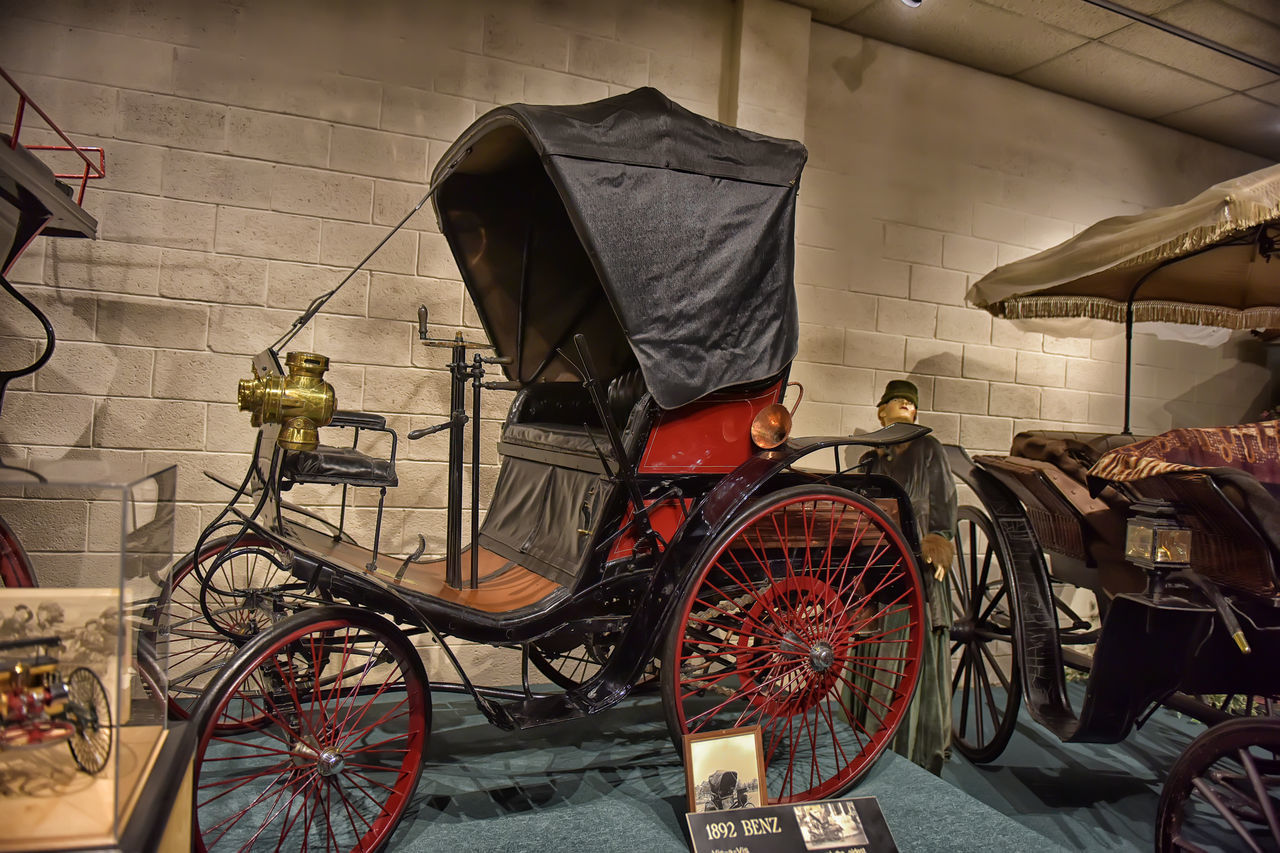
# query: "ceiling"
{"points": [[1098, 55]]}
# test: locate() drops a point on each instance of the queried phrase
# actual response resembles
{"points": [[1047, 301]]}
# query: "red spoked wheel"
{"points": [[806, 619], [242, 583], [15, 567], [342, 713]]}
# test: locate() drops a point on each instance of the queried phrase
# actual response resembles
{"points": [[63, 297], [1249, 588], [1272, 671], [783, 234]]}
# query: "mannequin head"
{"points": [[898, 403]]}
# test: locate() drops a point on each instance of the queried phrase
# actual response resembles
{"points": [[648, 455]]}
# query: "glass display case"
{"points": [[84, 547]]}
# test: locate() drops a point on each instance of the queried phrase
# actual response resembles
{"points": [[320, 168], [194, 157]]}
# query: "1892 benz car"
{"points": [[631, 265]]}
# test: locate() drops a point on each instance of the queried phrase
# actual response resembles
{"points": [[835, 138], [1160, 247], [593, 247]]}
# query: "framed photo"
{"points": [[725, 769]]}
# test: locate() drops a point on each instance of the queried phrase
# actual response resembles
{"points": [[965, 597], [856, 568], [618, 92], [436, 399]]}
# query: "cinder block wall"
{"points": [[255, 152], [923, 176], [258, 149]]}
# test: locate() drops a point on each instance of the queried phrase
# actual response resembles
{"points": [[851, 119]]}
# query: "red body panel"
{"points": [[666, 519], [712, 436]]}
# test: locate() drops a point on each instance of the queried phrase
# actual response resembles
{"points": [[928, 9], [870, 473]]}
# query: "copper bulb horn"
{"points": [[772, 425]]}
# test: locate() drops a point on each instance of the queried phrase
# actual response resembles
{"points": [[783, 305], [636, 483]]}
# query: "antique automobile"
{"points": [[631, 265], [724, 792], [39, 707], [1178, 536]]}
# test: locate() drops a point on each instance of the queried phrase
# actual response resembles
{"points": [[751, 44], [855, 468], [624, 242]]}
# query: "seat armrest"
{"points": [[363, 420]]}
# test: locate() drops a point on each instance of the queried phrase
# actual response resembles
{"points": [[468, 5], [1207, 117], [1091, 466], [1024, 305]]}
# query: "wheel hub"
{"points": [[793, 674], [327, 762], [821, 656]]}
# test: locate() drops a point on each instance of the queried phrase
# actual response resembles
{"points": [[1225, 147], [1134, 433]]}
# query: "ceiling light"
{"points": [[914, 4]]}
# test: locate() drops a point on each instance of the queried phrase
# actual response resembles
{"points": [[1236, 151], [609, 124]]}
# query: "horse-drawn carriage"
{"points": [[631, 263], [1178, 536]]}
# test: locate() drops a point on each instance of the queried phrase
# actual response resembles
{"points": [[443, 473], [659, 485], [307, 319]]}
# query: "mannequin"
{"points": [[920, 467]]}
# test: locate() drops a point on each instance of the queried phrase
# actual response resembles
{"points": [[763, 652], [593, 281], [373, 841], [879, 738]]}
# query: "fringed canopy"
{"points": [[1203, 262]]}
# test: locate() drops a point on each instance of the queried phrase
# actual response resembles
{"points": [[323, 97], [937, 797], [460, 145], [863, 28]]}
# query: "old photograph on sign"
{"points": [[725, 769], [830, 824]]}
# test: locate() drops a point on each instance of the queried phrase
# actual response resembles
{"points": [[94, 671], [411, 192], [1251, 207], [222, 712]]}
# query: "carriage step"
{"points": [[541, 710]]}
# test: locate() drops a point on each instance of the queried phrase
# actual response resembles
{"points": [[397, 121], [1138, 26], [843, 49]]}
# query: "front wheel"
{"points": [[90, 711], [341, 711], [806, 618]]}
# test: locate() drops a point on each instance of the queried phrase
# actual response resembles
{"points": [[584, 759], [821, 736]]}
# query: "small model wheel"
{"points": [[15, 567], [91, 712], [1223, 792], [805, 618], [341, 712], [986, 686]]}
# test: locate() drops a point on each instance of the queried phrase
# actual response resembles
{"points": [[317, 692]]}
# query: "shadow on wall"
{"points": [[1238, 394], [851, 68]]}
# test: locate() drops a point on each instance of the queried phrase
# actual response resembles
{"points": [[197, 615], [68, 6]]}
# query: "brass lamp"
{"points": [[301, 402], [1154, 540]]}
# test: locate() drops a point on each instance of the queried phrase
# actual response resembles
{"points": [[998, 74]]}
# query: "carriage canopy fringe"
{"points": [[664, 237], [1202, 262]]}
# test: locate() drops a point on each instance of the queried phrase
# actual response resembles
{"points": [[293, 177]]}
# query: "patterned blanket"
{"points": [[1252, 448]]}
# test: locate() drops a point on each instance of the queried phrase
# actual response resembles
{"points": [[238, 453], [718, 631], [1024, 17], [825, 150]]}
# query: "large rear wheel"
{"points": [[340, 709], [805, 618], [985, 683]]}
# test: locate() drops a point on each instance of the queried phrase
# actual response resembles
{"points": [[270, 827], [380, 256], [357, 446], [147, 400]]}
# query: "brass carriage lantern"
{"points": [[301, 402], [1155, 541]]}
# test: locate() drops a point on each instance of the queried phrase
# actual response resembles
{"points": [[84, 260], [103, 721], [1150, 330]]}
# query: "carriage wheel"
{"points": [[805, 619], [15, 567], [570, 668], [188, 646], [91, 711], [347, 712], [986, 686], [1223, 792], [248, 588]]}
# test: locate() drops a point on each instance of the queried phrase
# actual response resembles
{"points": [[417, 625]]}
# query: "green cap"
{"points": [[900, 388]]}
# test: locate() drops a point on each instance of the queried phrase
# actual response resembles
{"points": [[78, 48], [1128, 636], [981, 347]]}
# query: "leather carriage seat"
{"points": [[1072, 452], [337, 466], [551, 494], [551, 421]]}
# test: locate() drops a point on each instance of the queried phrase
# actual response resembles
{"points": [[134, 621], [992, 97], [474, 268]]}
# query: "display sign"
{"points": [[855, 825]]}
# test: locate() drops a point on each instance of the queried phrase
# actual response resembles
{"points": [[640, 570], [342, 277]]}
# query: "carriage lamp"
{"points": [[1154, 540], [772, 425], [301, 402]]}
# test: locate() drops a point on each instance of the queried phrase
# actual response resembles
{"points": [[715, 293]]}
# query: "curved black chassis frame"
{"points": [[1150, 650], [638, 601]]}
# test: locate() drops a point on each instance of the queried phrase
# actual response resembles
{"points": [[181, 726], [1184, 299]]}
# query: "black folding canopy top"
{"points": [[665, 238]]}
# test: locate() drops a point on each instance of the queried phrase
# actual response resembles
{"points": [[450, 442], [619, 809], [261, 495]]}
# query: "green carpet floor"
{"points": [[613, 782], [1083, 796]]}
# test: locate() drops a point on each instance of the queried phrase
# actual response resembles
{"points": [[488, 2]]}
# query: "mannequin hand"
{"points": [[938, 552]]}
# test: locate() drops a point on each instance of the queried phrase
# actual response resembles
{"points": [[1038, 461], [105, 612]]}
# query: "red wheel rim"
{"points": [[333, 768], [15, 568], [807, 621]]}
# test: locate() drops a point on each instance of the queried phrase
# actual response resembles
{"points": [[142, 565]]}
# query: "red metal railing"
{"points": [[92, 171]]}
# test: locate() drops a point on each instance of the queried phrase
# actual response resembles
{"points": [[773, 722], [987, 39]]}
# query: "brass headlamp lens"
{"points": [[301, 402]]}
